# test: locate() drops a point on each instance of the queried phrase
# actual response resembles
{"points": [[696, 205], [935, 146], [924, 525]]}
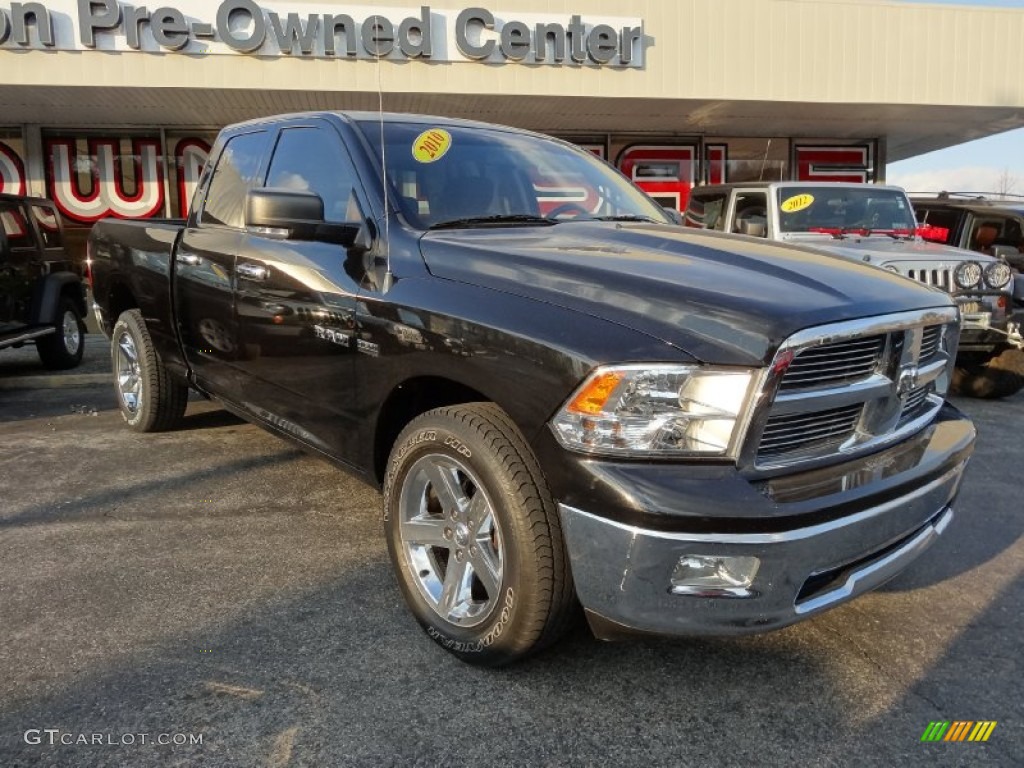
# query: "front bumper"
{"points": [[985, 327], [872, 517]]}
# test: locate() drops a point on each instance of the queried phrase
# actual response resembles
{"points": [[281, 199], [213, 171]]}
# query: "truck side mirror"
{"points": [[675, 215], [283, 213], [1004, 252], [293, 215]]}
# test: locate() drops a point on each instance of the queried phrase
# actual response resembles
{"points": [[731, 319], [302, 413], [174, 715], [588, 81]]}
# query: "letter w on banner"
{"points": [[12, 172], [12, 182], [189, 158], [91, 186]]}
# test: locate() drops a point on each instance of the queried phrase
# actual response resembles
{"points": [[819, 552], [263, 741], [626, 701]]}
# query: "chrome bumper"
{"points": [[622, 573], [101, 319]]}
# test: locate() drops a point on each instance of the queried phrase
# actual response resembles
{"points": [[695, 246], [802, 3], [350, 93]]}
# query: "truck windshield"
{"points": [[839, 210], [445, 176]]}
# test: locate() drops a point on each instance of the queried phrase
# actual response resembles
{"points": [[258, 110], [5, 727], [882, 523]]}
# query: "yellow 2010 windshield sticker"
{"points": [[796, 203], [430, 146]]}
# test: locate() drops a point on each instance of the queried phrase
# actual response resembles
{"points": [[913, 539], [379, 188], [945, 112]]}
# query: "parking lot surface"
{"points": [[216, 582]]}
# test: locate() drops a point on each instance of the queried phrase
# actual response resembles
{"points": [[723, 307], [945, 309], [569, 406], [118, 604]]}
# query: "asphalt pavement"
{"points": [[217, 584]]}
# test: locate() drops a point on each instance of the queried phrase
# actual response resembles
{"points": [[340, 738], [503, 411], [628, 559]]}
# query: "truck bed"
{"points": [[131, 268]]}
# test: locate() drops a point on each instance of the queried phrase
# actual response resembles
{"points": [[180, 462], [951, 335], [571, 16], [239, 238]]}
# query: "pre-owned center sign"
{"points": [[306, 30]]}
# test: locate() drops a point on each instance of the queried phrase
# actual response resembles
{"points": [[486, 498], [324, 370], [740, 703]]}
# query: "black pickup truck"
{"points": [[42, 295], [566, 398]]}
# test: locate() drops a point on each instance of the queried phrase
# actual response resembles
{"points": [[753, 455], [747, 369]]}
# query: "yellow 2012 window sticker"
{"points": [[797, 203], [430, 146]]}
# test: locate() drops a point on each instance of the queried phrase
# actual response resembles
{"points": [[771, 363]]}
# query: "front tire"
{"points": [[1001, 376], [64, 349], [474, 536], [149, 397]]}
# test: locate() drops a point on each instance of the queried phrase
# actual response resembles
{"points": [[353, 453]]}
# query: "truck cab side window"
{"points": [[751, 216], [312, 160], [232, 178]]}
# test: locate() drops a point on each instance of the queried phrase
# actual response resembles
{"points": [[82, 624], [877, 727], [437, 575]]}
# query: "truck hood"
{"points": [[721, 298], [880, 250]]}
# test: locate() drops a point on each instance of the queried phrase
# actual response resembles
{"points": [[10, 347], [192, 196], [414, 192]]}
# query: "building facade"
{"points": [[111, 109]]}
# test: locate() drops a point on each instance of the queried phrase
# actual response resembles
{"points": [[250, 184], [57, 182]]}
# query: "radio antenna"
{"points": [[386, 286], [764, 162]]}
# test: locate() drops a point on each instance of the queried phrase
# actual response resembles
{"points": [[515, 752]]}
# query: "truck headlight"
{"points": [[656, 410], [968, 275], [998, 275]]}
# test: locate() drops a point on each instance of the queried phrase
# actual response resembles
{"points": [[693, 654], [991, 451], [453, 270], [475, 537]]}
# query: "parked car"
{"points": [[989, 226], [42, 298], [688, 434], [875, 224]]}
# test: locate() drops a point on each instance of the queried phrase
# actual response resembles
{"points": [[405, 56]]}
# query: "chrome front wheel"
{"points": [[474, 535], [452, 539]]}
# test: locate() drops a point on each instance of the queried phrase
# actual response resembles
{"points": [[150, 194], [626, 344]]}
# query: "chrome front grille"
{"points": [[939, 278], [784, 435], [851, 387], [836, 363], [930, 342], [912, 403]]}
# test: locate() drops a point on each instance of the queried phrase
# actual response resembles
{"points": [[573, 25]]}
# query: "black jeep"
{"points": [[42, 297], [978, 223]]}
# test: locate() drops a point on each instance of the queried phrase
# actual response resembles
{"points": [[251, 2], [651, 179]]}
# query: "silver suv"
{"points": [[875, 224]]}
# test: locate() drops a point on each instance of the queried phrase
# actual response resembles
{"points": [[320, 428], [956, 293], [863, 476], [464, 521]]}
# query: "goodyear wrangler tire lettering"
{"points": [[474, 536], [451, 442]]}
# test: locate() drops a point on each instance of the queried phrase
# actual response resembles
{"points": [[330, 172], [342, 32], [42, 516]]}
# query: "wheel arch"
{"points": [[120, 298], [409, 399], [48, 295]]}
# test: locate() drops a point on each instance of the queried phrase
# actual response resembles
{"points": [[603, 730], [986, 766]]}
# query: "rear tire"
{"points": [[149, 397], [64, 349], [1001, 376], [474, 536]]}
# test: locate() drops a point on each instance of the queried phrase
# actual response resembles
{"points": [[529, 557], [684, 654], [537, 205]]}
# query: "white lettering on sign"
{"points": [[305, 29], [108, 194]]}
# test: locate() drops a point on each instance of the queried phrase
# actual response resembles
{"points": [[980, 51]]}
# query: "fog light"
{"points": [[714, 576]]}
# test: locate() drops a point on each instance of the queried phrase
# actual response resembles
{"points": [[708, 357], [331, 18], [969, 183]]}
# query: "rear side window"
{"points": [[49, 228], [937, 226], [16, 227], [234, 176], [706, 211], [312, 160]]}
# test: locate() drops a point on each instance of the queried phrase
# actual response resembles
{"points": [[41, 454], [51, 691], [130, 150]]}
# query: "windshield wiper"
{"points": [[622, 217], [899, 234], [498, 220], [862, 231]]}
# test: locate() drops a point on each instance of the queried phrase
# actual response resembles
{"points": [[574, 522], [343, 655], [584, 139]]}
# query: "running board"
{"points": [[29, 336]]}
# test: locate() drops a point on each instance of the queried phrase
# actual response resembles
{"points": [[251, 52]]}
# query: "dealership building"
{"points": [[110, 109]]}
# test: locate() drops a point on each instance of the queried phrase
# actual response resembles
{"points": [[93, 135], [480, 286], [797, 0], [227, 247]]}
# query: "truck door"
{"points": [[205, 263], [295, 300]]}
